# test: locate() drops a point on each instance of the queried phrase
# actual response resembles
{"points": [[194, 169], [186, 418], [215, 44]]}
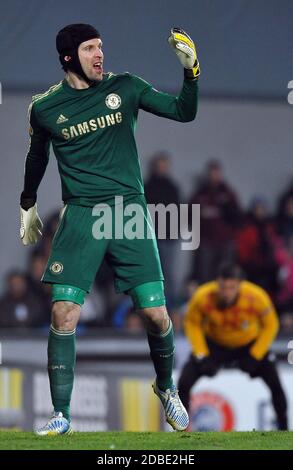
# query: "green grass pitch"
{"points": [[149, 441]]}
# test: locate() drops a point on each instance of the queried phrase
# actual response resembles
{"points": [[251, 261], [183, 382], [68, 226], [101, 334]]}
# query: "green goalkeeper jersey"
{"points": [[92, 134]]}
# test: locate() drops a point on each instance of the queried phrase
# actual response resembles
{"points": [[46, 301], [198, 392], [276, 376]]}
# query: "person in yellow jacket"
{"points": [[232, 322]]}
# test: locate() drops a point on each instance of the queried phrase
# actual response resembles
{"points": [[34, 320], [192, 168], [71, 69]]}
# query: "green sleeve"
{"points": [[181, 108], [37, 156]]}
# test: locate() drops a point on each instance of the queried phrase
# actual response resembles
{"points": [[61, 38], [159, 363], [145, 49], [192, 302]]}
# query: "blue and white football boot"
{"points": [[55, 426], [176, 414]]}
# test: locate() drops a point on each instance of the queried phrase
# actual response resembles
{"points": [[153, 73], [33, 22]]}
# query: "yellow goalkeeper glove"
{"points": [[185, 50]]}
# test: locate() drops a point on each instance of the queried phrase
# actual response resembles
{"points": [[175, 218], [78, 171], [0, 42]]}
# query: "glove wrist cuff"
{"points": [[26, 202], [191, 74]]}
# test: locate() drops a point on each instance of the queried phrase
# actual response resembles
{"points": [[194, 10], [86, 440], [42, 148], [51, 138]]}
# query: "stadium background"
{"points": [[244, 122]]}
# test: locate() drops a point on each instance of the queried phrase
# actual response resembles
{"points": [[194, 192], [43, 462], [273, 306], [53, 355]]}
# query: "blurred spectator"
{"points": [[161, 188], [285, 215], [284, 259], [125, 317], [286, 320], [255, 245], [19, 306], [220, 216], [93, 309], [37, 264], [122, 310], [134, 324]]}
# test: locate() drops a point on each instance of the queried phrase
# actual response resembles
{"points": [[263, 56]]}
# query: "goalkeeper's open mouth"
{"points": [[98, 66]]}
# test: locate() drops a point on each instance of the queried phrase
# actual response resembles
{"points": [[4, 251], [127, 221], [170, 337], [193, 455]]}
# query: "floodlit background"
{"points": [[243, 131]]}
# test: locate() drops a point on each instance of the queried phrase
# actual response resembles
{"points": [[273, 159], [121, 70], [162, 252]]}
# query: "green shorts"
{"points": [[83, 240]]}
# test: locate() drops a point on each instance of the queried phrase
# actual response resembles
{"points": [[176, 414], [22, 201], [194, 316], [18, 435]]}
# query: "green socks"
{"points": [[162, 353], [61, 363]]}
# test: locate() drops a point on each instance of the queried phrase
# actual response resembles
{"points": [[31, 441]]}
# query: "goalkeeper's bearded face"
{"points": [[228, 292], [91, 58]]}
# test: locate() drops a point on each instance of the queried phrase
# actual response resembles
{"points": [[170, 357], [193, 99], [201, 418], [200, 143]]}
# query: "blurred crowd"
{"points": [[260, 240]]}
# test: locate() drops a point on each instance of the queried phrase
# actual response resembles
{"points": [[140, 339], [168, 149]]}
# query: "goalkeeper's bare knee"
{"points": [[65, 315], [67, 301], [156, 319], [149, 301]]}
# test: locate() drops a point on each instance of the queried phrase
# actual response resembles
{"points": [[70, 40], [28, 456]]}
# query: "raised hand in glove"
{"points": [[184, 48]]}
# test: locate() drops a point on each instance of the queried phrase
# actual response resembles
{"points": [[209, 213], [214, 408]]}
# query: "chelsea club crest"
{"points": [[113, 101]]}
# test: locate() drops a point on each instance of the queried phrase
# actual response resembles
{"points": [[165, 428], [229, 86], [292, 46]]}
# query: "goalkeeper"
{"points": [[232, 322], [90, 119]]}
